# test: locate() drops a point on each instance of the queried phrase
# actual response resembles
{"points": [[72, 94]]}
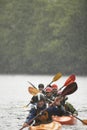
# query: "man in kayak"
{"points": [[41, 113], [48, 95], [68, 106], [54, 90], [41, 87]]}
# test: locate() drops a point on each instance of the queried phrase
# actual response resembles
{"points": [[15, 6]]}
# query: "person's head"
{"points": [[41, 87], [48, 91], [54, 88], [40, 100]]}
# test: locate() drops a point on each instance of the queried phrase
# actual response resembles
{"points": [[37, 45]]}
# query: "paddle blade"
{"points": [[70, 80], [56, 77], [31, 84], [71, 88], [84, 122], [33, 91]]}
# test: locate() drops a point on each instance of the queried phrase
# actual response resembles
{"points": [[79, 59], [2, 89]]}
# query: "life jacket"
{"points": [[43, 118]]}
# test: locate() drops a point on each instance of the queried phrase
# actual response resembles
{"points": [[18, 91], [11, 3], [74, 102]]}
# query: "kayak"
{"points": [[65, 120], [49, 126], [56, 124]]}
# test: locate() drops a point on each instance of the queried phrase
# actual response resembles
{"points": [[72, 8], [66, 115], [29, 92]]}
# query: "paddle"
{"points": [[31, 84], [83, 121], [26, 105], [71, 88], [67, 91], [56, 77], [33, 91], [70, 79]]}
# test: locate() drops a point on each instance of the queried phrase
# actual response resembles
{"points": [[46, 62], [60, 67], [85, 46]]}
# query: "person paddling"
{"points": [[44, 116], [48, 95], [41, 87], [54, 90]]}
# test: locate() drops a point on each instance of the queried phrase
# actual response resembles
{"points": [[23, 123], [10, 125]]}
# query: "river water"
{"points": [[14, 96]]}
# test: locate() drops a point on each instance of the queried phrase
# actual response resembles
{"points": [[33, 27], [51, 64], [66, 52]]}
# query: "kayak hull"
{"points": [[49, 126], [65, 120]]}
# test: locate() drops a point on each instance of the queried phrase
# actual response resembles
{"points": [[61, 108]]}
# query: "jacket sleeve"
{"points": [[70, 108], [57, 110], [30, 116]]}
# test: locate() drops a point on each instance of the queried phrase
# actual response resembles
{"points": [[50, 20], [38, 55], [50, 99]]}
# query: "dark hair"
{"points": [[40, 86]]}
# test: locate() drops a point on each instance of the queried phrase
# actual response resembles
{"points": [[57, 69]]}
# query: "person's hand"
{"points": [[57, 101]]}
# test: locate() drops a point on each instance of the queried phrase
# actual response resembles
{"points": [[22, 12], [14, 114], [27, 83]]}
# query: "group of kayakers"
{"points": [[46, 104]]}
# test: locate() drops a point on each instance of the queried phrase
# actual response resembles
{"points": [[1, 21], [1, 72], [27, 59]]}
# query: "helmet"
{"points": [[48, 89], [40, 86], [54, 86], [39, 97]]}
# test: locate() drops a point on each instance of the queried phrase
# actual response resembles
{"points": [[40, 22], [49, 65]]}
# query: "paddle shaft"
{"points": [[31, 84], [84, 122]]}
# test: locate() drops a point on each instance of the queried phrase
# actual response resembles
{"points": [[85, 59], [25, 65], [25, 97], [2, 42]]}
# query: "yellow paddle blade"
{"points": [[84, 122], [33, 91], [56, 77]]}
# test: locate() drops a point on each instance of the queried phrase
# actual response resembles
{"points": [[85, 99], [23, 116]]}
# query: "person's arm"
{"points": [[29, 118], [70, 108]]}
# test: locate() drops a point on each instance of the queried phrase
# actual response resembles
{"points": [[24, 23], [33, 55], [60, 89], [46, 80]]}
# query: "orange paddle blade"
{"points": [[84, 122], [33, 91]]}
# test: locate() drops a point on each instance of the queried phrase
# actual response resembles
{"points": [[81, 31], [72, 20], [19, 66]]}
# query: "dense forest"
{"points": [[43, 36]]}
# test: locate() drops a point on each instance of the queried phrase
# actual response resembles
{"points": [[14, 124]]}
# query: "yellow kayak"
{"points": [[49, 126], [65, 120]]}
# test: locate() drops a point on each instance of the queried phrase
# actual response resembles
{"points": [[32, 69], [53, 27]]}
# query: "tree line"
{"points": [[43, 37]]}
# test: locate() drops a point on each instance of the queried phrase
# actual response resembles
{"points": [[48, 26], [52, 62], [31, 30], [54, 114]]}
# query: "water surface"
{"points": [[14, 95]]}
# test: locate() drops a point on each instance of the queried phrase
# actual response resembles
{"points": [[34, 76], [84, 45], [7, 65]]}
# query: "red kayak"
{"points": [[65, 120]]}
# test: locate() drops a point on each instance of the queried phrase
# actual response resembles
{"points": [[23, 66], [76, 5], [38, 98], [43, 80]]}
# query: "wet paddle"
{"points": [[83, 121], [67, 91], [33, 91], [26, 105], [31, 84], [71, 88], [70, 79], [56, 77]]}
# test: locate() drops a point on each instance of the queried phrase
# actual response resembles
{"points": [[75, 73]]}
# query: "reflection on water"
{"points": [[14, 95]]}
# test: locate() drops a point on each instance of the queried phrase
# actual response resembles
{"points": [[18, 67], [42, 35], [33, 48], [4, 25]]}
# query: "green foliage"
{"points": [[43, 36]]}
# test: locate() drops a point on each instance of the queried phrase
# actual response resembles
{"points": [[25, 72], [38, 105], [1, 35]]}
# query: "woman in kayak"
{"points": [[43, 111]]}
